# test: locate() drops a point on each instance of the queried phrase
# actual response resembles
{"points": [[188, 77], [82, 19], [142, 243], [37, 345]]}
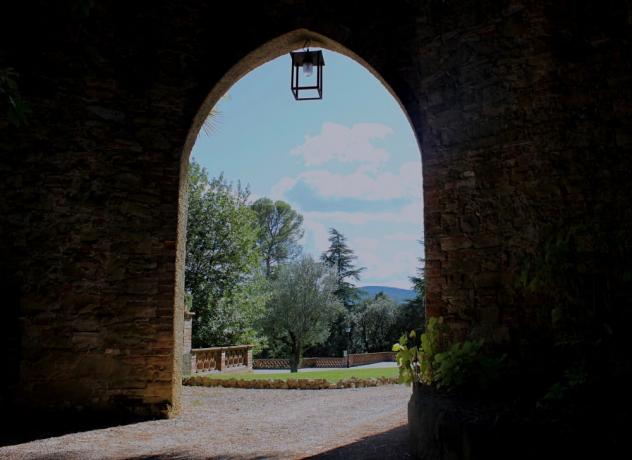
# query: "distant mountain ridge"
{"points": [[397, 294]]}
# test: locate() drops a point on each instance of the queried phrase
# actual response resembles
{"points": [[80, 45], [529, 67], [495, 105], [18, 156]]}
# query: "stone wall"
{"points": [[522, 110], [360, 359], [520, 134], [186, 343], [448, 427]]}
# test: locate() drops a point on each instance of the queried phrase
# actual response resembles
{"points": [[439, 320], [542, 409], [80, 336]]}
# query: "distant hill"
{"points": [[397, 294]]}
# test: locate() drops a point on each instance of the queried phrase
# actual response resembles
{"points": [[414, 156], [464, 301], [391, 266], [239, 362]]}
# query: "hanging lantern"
{"points": [[306, 62]]}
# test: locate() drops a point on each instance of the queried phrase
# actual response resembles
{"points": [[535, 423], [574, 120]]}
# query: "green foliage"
{"points": [[571, 382], [466, 364], [221, 256], [279, 229], [413, 311], [580, 275], [233, 320], [83, 7], [303, 305], [373, 321], [17, 109], [407, 357], [430, 346], [457, 366], [340, 257], [453, 367]]}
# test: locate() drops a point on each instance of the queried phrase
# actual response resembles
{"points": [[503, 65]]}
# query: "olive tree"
{"points": [[302, 306], [374, 322]]}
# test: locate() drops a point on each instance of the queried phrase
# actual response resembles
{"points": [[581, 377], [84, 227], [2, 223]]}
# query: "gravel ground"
{"points": [[227, 423]]}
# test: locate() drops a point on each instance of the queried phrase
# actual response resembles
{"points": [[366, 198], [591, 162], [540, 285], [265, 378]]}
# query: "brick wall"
{"points": [[360, 359]]}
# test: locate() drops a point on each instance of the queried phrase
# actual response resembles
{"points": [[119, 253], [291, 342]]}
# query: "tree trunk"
{"points": [[295, 359], [268, 268]]}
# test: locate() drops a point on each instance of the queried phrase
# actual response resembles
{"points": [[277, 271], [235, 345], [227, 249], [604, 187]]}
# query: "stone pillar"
{"points": [[193, 367], [222, 360], [188, 359]]}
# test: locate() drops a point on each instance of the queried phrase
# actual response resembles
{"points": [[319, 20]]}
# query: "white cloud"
{"points": [[363, 185], [343, 144], [389, 260], [408, 214], [359, 185], [280, 188]]}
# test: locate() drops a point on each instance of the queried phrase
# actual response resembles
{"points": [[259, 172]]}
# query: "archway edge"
{"points": [[265, 53]]}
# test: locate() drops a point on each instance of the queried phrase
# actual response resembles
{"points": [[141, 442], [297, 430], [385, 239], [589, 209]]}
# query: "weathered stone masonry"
{"points": [[522, 110]]}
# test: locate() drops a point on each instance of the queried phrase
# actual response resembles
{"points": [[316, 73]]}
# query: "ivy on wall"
{"points": [[17, 110]]}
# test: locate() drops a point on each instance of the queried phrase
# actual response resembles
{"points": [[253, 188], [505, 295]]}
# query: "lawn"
{"points": [[330, 375]]}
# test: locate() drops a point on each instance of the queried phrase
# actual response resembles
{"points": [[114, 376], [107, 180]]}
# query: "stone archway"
{"points": [[92, 200]]}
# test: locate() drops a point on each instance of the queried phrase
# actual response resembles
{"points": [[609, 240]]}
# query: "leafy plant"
{"points": [[430, 346], [462, 364], [407, 358], [17, 109], [416, 362]]}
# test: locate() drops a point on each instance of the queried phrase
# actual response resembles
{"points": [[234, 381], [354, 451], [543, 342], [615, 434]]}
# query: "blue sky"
{"points": [[348, 161]]}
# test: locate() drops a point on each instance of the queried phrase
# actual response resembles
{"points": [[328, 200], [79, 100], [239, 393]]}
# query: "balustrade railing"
{"points": [[218, 359], [324, 362], [354, 360]]}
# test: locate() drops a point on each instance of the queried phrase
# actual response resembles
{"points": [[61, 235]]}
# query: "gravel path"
{"points": [[226, 423]]}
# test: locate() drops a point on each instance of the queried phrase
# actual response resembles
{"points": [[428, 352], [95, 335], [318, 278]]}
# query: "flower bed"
{"points": [[289, 384]]}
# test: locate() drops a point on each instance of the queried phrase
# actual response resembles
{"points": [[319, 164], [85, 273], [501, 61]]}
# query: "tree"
{"points": [[278, 233], [234, 318], [340, 257], [412, 314], [221, 250], [374, 323], [302, 306]]}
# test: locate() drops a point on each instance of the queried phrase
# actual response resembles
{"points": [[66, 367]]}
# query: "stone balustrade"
{"points": [[358, 359], [220, 359], [324, 362]]}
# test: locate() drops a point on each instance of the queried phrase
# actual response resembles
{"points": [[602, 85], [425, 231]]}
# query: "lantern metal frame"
{"points": [[298, 59]]}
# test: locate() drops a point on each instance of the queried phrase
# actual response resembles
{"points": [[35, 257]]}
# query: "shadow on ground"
{"points": [[188, 456], [159, 456], [390, 445], [21, 427]]}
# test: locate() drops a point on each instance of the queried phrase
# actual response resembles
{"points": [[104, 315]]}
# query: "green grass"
{"points": [[330, 375]]}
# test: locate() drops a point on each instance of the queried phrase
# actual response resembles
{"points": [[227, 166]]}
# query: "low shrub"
{"points": [[290, 384]]}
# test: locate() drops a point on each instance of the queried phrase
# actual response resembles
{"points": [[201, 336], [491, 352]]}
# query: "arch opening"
{"points": [[268, 52]]}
